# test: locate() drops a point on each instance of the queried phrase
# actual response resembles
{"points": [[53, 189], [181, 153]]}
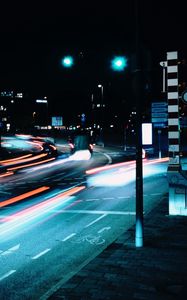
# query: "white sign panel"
{"points": [[147, 134]]}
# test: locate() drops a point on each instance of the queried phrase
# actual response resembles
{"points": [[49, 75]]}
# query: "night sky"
{"points": [[34, 38]]}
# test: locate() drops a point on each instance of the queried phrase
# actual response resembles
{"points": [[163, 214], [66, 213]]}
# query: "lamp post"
{"points": [[139, 167], [102, 120]]}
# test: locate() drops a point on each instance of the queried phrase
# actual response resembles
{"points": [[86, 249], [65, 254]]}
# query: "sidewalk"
{"points": [[123, 272]]}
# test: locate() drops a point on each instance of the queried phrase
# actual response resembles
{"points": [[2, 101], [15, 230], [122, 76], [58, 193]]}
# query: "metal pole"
{"points": [[139, 173], [159, 146], [102, 117], [125, 139], [163, 64], [164, 79]]}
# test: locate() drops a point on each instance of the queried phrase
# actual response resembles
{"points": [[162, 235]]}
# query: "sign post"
{"points": [[159, 115], [159, 146]]}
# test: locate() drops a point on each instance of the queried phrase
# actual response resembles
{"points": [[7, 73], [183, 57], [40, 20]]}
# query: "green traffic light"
{"points": [[67, 61], [119, 63]]}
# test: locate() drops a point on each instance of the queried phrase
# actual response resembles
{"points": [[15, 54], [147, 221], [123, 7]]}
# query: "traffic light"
{"points": [[67, 61], [119, 63]]}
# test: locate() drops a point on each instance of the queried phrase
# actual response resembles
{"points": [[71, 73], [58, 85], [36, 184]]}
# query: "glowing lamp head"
{"points": [[67, 61], [119, 63]]}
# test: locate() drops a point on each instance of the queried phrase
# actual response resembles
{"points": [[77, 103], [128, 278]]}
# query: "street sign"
{"points": [[57, 121], [159, 120], [159, 109], [159, 104], [159, 125], [83, 118], [159, 115]]}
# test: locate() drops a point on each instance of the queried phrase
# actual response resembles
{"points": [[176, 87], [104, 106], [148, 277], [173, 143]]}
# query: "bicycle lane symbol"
{"points": [[92, 239]]}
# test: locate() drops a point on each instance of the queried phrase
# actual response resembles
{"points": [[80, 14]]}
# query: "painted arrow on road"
{"points": [[103, 229]]}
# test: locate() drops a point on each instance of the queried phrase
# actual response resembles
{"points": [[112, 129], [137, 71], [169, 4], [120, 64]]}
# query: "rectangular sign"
{"points": [[57, 121], [147, 134], [159, 120], [159, 125], [159, 115], [159, 109], [159, 104]]}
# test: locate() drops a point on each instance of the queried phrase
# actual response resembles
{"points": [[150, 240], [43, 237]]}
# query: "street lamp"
{"points": [[101, 130], [67, 61], [119, 63]]}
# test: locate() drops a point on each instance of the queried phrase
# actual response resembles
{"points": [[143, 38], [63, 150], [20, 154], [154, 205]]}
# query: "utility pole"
{"points": [[138, 101]]}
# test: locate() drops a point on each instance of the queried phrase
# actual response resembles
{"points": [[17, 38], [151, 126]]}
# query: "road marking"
{"points": [[96, 199], [91, 239], [109, 158], [41, 253], [100, 212], [96, 220], [10, 250], [7, 274], [103, 229], [109, 198], [127, 197], [156, 194], [68, 237]]}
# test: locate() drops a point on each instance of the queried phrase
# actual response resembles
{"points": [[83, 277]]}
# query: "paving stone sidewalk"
{"points": [[123, 272]]}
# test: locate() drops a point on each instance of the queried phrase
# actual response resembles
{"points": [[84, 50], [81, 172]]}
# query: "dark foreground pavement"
{"points": [[121, 272]]}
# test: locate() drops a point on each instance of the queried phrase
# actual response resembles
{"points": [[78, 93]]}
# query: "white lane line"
{"points": [[156, 194], [122, 197], [109, 198], [96, 199], [41, 253], [96, 220], [7, 274], [68, 237], [94, 212]]}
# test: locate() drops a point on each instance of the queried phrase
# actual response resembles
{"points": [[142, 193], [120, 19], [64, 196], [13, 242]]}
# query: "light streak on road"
{"points": [[132, 162], [30, 165], [50, 165], [81, 155], [57, 162], [108, 167], [24, 196], [14, 221], [118, 175], [38, 145], [6, 174], [12, 160], [25, 160]]}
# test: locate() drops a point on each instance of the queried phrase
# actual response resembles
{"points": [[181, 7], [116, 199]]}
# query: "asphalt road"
{"points": [[48, 237]]}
